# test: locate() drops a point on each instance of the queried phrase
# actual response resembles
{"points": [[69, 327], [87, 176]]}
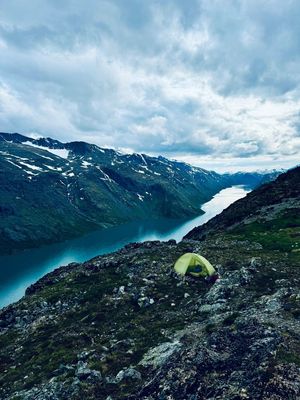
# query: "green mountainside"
{"points": [[51, 191], [125, 326], [268, 214]]}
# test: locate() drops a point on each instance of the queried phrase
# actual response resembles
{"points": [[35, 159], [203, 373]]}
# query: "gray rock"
{"points": [[82, 371], [145, 301], [210, 308], [85, 373], [159, 355], [84, 355], [121, 290], [128, 374]]}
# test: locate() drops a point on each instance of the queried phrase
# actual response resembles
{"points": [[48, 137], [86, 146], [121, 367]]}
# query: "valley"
{"points": [[149, 200], [22, 269], [52, 191]]}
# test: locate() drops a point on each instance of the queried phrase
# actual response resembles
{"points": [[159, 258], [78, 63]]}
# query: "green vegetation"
{"points": [[279, 234], [288, 357]]}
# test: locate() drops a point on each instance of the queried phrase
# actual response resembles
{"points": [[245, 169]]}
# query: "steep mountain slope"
{"points": [[125, 326], [51, 191], [262, 210]]}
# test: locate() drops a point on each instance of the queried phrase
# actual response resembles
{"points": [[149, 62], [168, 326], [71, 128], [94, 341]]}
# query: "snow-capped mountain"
{"points": [[51, 191]]}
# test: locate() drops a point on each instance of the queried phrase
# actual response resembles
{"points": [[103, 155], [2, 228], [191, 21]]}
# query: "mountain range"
{"points": [[51, 191]]}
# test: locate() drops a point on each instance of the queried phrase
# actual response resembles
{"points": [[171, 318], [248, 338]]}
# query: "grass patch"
{"points": [[288, 358], [279, 234]]}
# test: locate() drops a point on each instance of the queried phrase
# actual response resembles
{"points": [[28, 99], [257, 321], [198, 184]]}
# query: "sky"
{"points": [[215, 83]]}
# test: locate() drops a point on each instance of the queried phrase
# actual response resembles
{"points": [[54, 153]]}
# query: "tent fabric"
{"points": [[194, 264]]}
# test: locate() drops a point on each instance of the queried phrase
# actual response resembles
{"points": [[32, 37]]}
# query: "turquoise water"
{"points": [[20, 270]]}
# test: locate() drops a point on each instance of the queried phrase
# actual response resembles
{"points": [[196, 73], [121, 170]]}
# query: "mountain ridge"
{"points": [[51, 191]]}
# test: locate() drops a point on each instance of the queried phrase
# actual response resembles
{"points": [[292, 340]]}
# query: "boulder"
{"points": [[128, 374]]}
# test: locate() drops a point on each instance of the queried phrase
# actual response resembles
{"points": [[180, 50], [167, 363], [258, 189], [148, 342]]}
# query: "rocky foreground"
{"points": [[125, 326]]}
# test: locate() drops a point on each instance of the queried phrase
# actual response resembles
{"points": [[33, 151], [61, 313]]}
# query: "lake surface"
{"points": [[20, 270]]}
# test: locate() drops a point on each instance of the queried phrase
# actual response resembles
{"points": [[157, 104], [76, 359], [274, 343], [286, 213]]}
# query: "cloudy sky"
{"points": [[212, 82]]}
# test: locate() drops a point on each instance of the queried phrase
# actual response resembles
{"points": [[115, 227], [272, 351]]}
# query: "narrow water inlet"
{"points": [[20, 270]]}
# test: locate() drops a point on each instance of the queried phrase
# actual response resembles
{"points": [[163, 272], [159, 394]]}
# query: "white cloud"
{"points": [[186, 81]]}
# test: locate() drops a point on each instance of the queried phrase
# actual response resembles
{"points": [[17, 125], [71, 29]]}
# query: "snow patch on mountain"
{"points": [[53, 169], [16, 165], [106, 177], [63, 153], [34, 167], [86, 164]]}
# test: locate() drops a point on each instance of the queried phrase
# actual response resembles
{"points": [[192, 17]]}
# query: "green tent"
{"points": [[194, 264]]}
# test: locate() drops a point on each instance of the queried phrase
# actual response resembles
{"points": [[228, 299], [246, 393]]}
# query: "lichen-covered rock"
{"points": [[157, 356], [128, 374]]}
